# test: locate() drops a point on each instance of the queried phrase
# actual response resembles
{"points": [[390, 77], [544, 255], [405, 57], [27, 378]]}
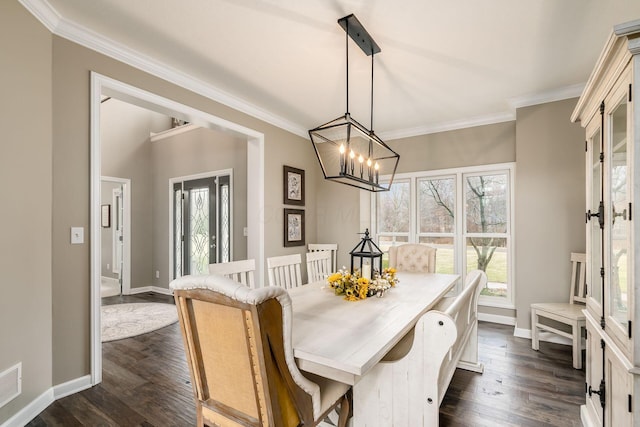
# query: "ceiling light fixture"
{"points": [[348, 152]]}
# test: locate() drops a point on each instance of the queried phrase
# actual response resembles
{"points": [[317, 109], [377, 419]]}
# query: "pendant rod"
{"points": [[347, 50], [371, 122]]}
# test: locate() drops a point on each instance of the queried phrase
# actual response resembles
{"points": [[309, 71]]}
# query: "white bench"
{"points": [[408, 385]]}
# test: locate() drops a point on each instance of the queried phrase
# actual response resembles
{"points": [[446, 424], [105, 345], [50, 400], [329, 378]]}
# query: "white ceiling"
{"points": [[443, 64]]}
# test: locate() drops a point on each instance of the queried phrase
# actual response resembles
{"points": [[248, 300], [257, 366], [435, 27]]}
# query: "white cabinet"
{"points": [[612, 126]]}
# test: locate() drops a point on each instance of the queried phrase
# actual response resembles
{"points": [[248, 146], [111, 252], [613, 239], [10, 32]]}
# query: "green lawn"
{"points": [[496, 271]]}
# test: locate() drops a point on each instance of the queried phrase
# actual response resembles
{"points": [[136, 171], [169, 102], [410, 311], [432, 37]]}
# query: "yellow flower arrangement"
{"points": [[355, 288]]}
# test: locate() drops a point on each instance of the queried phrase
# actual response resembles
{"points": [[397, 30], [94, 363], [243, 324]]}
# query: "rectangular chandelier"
{"points": [[348, 152]]}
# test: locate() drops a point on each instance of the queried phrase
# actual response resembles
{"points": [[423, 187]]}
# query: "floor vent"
{"points": [[10, 384]]}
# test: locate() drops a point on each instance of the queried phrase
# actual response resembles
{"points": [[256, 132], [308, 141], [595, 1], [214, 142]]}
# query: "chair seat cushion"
{"points": [[566, 310], [330, 392]]}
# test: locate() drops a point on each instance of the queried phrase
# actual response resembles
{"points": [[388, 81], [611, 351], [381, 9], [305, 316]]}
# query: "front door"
{"points": [[195, 231]]}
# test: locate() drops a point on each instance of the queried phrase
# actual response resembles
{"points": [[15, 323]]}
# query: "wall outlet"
{"points": [[157, 274], [108, 266], [245, 232]]}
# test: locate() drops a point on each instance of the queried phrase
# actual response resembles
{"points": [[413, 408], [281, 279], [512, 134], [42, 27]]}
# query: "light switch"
{"points": [[77, 235]]}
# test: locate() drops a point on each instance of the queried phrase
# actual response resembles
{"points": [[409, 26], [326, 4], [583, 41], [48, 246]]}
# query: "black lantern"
{"points": [[367, 255]]}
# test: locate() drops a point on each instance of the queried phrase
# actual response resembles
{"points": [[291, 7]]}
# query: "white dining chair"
{"points": [[318, 266], [331, 247], [568, 313], [284, 271], [238, 271]]}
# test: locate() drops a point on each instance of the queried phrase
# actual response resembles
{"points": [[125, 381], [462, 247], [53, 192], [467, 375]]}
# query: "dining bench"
{"points": [[407, 386]]}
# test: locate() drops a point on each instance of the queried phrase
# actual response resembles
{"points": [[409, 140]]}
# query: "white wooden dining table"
{"points": [[342, 340]]}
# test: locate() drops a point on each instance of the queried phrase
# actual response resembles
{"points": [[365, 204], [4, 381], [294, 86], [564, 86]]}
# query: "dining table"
{"points": [[342, 340]]}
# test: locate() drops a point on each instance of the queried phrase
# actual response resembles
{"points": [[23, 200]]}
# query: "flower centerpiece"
{"points": [[354, 287]]}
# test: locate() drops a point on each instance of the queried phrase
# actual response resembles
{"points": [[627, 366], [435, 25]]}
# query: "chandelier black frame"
{"points": [[347, 151]]}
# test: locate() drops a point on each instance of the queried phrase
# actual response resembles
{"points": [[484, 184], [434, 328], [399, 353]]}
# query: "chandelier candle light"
{"points": [[342, 142]]}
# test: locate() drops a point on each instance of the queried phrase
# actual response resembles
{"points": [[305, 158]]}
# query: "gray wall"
{"points": [[197, 151], [550, 203], [72, 65], [25, 170]]}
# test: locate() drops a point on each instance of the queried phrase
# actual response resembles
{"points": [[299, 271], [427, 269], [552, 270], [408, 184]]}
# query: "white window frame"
{"points": [[460, 234]]}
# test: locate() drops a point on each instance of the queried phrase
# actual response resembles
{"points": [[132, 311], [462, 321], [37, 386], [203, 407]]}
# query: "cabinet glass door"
{"points": [[618, 216], [594, 232]]}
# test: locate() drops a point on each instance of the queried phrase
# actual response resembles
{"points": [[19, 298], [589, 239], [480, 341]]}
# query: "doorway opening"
{"points": [[102, 86]]}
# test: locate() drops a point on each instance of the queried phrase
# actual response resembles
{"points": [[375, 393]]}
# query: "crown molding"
{"points": [[58, 25], [83, 36], [488, 119], [566, 92]]}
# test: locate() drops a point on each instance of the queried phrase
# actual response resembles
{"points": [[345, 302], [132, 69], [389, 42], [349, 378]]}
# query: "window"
{"points": [[464, 213]]}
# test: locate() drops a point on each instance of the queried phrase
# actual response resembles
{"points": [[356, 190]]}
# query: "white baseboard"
{"points": [[39, 404], [111, 280], [29, 412], [155, 289], [543, 336], [71, 387], [495, 318]]}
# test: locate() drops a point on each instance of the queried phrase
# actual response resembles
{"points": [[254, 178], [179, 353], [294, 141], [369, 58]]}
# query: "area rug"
{"points": [[128, 320]]}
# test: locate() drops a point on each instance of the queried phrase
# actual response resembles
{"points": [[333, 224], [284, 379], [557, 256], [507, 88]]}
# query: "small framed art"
{"points": [[293, 180], [294, 227]]}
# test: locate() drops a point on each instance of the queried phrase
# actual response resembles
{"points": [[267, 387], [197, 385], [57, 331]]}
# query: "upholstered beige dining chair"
{"points": [[284, 271], [238, 271], [413, 258], [240, 356]]}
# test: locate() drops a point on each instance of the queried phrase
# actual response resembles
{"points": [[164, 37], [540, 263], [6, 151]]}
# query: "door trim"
{"points": [[255, 184]]}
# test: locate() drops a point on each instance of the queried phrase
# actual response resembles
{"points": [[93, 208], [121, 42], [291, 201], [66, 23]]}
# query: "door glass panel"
{"points": [[199, 230], [595, 233], [177, 230], [619, 247]]}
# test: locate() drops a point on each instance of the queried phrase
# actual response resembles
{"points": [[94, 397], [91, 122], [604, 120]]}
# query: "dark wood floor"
{"points": [[146, 383]]}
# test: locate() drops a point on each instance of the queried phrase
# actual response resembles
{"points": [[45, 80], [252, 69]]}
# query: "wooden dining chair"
{"points": [[413, 258], [568, 313], [238, 271], [318, 266], [284, 271], [331, 247], [240, 356]]}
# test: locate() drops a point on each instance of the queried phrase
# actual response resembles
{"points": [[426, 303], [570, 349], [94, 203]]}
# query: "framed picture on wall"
{"points": [[294, 227], [293, 180], [105, 216]]}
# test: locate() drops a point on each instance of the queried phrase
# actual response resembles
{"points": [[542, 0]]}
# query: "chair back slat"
{"points": [[318, 266], [578, 278], [238, 271], [331, 247], [284, 271]]}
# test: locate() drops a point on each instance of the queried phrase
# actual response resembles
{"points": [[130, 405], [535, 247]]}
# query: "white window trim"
{"points": [[459, 234]]}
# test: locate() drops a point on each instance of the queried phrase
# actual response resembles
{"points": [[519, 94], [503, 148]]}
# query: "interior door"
{"points": [[118, 233]]}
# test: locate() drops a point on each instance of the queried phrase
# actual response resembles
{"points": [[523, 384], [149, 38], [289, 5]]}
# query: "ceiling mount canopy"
{"points": [[348, 152]]}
